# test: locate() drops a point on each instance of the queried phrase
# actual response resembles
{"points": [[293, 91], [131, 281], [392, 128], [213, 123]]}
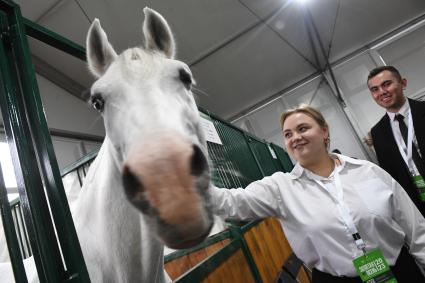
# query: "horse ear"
{"points": [[100, 53], [158, 35]]}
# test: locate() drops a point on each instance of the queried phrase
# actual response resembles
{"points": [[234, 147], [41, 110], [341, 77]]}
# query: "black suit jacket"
{"points": [[389, 156]]}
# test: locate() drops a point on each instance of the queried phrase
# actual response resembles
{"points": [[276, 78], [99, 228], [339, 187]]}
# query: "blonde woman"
{"points": [[347, 219]]}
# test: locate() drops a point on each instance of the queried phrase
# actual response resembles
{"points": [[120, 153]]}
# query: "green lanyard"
{"points": [[417, 179]]}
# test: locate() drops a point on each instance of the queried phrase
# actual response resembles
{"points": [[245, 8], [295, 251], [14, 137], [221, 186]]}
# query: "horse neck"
{"points": [[111, 229], [102, 200], [104, 175]]}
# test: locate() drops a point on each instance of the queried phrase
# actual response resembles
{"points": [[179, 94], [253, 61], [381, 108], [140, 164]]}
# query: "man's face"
{"points": [[387, 91]]}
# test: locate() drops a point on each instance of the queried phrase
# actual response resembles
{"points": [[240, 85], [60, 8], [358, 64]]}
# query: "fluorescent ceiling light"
{"points": [[302, 1]]}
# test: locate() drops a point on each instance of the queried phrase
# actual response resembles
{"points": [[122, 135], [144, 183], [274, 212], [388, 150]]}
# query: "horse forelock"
{"points": [[140, 53], [130, 61]]}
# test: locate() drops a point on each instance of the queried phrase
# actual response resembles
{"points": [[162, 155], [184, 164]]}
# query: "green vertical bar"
{"points": [[237, 233], [30, 186], [248, 139], [10, 234], [276, 160], [263, 155], [65, 229]]}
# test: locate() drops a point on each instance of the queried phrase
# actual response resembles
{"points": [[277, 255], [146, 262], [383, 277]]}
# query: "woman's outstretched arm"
{"points": [[260, 199]]}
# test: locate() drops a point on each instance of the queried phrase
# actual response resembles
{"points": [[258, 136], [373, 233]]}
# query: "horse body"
{"points": [[148, 185]]}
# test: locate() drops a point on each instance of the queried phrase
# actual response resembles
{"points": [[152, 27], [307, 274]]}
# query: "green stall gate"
{"points": [[246, 252]]}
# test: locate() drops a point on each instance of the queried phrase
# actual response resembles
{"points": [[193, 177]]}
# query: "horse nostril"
{"points": [[134, 190], [132, 185], [199, 162]]}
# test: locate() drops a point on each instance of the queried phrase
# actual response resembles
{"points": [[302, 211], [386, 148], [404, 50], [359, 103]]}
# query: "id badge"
{"points": [[373, 268], [419, 182]]}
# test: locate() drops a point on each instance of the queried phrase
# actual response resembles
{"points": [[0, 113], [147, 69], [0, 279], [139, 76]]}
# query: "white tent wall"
{"points": [[69, 150], [350, 121], [65, 112], [408, 54], [318, 94]]}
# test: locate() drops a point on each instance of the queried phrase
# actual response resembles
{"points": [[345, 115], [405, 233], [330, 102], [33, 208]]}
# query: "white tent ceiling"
{"points": [[242, 52]]}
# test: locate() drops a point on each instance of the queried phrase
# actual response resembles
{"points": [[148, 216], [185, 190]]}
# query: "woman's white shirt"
{"points": [[383, 213]]}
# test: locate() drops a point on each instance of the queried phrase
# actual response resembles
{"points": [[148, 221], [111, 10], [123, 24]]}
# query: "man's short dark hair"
{"points": [[380, 69]]}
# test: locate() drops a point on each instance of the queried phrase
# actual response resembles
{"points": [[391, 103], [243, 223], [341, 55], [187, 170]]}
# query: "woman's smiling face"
{"points": [[304, 138]]}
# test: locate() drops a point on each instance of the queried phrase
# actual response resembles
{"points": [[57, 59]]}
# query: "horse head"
{"points": [[152, 122]]}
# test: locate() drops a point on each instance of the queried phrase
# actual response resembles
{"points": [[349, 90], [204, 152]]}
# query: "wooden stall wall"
{"points": [[266, 247], [270, 250], [234, 269], [181, 264]]}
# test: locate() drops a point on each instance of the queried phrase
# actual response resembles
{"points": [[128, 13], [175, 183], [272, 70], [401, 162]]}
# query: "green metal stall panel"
{"points": [[262, 155], [276, 160], [233, 164]]}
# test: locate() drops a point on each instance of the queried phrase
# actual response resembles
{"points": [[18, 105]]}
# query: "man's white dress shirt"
{"points": [[381, 210], [405, 111]]}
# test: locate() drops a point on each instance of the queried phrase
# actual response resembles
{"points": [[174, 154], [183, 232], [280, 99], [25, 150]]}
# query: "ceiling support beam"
{"points": [[58, 78], [416, 22], [266, 23], [58, 133], [75, 135], [272, 98], [312, 44], [316, 91], [50, 10], [261, 21], [335, 89], [312, 28]]}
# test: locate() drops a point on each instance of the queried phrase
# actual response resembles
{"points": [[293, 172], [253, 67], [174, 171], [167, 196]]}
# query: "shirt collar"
{"points": [[404, 110], [298, 170]]}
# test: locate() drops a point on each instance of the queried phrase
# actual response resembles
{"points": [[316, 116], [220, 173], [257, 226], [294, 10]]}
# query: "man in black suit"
{"points": [[399, 137]]}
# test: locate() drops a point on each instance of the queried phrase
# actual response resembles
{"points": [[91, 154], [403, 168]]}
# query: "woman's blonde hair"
{"points": [[309, 111]]}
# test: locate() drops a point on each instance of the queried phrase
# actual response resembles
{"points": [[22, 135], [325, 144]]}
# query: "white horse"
{"points": [[148, 185]]}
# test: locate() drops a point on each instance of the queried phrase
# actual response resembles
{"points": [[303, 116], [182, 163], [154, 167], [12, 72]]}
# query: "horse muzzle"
{"points": [[167, 179]]}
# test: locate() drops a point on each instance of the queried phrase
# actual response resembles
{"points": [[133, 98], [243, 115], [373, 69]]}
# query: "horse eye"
{"points": [[185, 78], [97, 102]]}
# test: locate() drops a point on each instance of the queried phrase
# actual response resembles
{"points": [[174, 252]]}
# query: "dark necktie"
{"points": [[415, 155]]}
